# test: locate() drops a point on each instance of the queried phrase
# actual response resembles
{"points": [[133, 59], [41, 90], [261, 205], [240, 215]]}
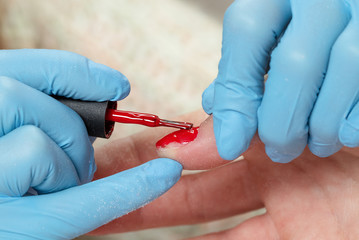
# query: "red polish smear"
{"points": [[182, 137]]}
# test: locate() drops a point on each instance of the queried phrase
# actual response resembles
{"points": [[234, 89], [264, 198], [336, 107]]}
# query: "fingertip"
{"points": [[116, 85], [279, 157], [86, 177], [323, 150], [146, 182], [208, 98], [164, 165], [124, 87], [349, 134], [233, 134], [228, 151], [92, 170], [170, 170]]}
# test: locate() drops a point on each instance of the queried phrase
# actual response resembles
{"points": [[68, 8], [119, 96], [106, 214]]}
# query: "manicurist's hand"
{"points": [[311, 94], [310, 198], [27, 78], [44, 147]]}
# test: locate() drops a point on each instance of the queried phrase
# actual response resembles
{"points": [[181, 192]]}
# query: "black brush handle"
{"points": [[93, 114]]}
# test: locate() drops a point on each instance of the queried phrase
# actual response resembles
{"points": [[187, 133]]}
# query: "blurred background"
{"points": [[168, 49]]}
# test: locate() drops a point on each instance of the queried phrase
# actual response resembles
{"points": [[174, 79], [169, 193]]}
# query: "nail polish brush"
{"points": [[100, 117]]}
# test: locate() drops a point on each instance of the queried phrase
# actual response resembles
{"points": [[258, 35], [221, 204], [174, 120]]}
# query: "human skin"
{"points": [[309, 198]]}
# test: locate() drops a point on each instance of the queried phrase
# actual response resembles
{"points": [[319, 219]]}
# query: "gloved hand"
{"points": [[312, 90], [44, 146]]}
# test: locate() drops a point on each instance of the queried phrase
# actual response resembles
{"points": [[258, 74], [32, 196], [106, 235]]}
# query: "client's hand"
{"points": [[310, 198]]}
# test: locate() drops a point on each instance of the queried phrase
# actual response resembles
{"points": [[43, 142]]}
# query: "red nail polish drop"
{"points": [[182, 137]]}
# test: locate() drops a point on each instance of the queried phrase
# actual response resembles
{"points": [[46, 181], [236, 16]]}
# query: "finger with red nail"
{"points": [[183, 144]]}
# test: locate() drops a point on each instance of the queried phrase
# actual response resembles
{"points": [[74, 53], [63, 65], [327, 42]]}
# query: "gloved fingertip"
{"points": [[278, 157], [207, 107], [208, 99], [323, 150], [169, 170], [228, 155], [232, 134], [92, 170], [92, 167], [229, 151], [124, 88], [349, 135], [114, 82]]}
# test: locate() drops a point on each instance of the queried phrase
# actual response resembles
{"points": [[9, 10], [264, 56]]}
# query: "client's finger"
{"points": [[206, 196], [132, 151], [194, 149]]}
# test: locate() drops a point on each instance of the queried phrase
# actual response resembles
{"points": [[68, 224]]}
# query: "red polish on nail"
{"points": [[181, 137]]}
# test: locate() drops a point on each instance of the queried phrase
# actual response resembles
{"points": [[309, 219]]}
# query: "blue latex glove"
{"points": [[44, 146], [312, 89]]}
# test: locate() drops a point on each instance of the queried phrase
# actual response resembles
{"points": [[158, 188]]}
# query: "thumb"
{"points": [[78, 210]]}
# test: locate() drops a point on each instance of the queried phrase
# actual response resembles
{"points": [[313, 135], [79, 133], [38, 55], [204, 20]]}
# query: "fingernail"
{"points": [[178, 138]]}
